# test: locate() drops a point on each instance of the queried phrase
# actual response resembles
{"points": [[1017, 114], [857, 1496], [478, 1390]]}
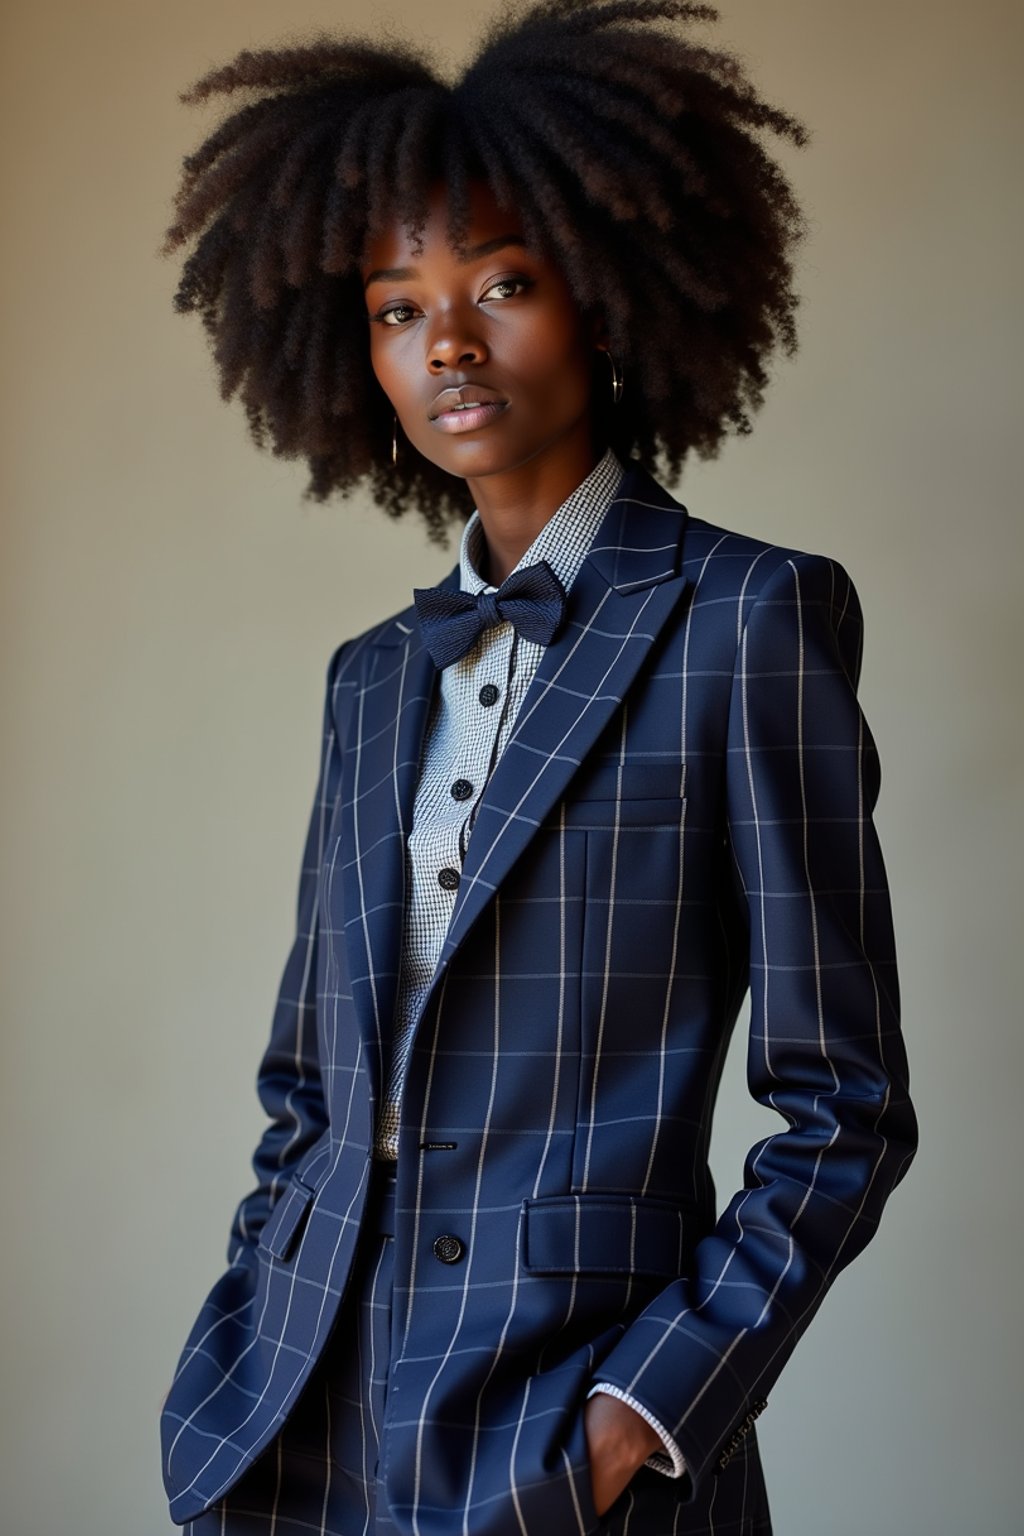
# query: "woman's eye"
{"points": [[512, 282], [384, 315]]}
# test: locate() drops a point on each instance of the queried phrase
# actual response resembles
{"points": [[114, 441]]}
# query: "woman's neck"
{"points": [[513, 507]]}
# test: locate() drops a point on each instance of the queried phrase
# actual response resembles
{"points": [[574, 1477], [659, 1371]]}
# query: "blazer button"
{"points": [[448, 878], [448, 1248]]}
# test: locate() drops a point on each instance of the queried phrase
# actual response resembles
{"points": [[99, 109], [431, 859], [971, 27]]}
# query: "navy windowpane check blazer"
{"points": [[683, 810]]}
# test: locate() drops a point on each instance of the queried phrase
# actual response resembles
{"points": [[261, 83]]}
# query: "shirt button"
{"points": [[448, 1248], [461, 789], [488, 694], [448, 878]]}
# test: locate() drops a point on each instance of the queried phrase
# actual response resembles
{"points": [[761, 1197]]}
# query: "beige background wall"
{"points": [[167, 608]]}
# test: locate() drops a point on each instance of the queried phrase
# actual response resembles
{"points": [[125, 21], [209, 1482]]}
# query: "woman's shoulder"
{"points": [[734, 564], [349, 655], [728, 563]]}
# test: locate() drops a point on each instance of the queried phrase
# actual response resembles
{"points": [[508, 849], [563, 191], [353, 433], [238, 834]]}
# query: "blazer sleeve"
{"points": [[825, 1048], [288, 1081]]}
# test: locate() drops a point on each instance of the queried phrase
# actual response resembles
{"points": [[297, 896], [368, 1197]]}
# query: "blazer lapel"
{"points": [[380, 769], [624, 592]]}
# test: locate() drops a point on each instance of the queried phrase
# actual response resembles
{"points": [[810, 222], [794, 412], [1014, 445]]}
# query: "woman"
{"points": [[570, 802]]}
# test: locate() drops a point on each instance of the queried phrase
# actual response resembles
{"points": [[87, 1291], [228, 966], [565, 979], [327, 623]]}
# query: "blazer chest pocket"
{"points": [[605, 1235], [609, 794]]}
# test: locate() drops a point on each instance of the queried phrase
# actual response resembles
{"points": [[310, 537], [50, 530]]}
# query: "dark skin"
{"points": [[453, 323]]}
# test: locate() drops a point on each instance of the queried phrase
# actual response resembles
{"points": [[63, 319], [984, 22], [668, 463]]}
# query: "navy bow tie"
{"points": [[531, 600]]}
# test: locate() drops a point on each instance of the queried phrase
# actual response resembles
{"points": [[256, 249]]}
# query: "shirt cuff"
{"points": [[671, 1461]]}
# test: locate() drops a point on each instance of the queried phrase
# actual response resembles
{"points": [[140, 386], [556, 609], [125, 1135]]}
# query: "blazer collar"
{"points": [[628, 561]]}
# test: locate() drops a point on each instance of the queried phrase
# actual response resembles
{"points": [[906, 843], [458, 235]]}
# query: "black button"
{"points": [[448, 878], [488, 694], [461, 789], [448, 1248]]}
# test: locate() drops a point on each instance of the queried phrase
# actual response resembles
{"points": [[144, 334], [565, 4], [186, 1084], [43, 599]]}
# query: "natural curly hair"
{"points": [[630, 153]]}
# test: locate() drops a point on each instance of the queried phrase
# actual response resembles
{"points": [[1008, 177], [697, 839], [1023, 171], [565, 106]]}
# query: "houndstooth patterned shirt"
{"points": [[471, 718]]}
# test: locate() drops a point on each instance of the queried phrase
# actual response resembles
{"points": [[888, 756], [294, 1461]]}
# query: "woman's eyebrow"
{"points": [[402, 274]]}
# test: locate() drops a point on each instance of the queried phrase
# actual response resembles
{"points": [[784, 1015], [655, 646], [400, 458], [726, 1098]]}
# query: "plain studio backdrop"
{"points": [[168, 604]]}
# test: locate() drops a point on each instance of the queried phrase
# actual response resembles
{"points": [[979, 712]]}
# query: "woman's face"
{"points": [[505, 321]]}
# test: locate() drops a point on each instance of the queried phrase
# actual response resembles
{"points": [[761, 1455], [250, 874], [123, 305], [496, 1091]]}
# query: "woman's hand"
{"points": [[619, 1441]]}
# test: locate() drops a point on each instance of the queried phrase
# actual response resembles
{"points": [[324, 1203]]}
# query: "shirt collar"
{"points": [[565, 537]]}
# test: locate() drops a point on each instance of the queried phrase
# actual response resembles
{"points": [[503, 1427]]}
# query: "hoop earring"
{"points": [[394, 441], [617, 380]]}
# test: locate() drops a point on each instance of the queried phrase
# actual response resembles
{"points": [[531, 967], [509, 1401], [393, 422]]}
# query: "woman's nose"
{"points": [[454, 344]]}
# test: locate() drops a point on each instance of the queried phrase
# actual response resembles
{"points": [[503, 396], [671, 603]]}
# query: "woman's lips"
{"points": [[468, 419]]}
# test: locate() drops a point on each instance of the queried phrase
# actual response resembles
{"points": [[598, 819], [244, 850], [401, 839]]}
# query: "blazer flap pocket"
{"points": [[317, 1163], [604, 1234], [281, 1229], [608, 779]]}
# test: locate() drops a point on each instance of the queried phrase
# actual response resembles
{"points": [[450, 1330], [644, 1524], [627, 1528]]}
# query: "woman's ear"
{"points": [[599, 330]]}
